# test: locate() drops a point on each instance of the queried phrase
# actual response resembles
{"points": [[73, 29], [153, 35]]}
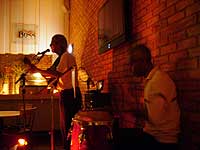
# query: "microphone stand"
{"points": [[52, 116], [23, 79], [52, 122]]}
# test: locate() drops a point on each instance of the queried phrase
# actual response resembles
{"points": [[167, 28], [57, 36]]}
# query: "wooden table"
{"points": [[9, 113], [4, 114]]}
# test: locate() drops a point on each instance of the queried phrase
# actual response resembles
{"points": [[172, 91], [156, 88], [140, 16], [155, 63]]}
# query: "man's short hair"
{"points": [[145, 50]]}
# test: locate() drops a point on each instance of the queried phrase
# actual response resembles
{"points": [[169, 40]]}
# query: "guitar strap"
{"points": [[74, 81], [55, 64]]}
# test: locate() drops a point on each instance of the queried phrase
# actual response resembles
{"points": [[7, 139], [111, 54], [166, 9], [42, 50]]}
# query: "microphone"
{"points": [[47, 50]]}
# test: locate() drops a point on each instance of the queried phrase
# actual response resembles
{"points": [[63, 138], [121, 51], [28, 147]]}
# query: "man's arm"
{"points": [[48, 72]]}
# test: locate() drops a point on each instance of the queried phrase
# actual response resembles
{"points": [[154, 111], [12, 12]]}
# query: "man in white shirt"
{"points": [[162, 112], [64, 68]]}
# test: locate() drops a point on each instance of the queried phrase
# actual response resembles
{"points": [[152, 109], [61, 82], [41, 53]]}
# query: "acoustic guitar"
{"points": [[52, 81]]}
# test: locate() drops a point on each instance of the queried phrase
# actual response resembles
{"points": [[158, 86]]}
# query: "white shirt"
{"points": [[162, 109], [65, 81]]}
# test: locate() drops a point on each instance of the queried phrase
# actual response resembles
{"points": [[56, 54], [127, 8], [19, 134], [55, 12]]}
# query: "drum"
{"points": [[91, 130]]}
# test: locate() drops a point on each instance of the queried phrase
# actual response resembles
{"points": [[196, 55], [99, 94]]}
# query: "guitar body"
{"points": [[52, 81]]}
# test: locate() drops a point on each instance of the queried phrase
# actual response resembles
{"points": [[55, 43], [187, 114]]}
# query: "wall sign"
{"points": [[26, 33]]}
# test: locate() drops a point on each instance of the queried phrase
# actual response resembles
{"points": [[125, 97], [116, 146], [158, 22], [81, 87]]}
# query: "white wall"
{"points": [[43, 17]]}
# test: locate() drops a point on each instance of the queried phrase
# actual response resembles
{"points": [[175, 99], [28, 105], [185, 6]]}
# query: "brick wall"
{"points": [[171, 28]]}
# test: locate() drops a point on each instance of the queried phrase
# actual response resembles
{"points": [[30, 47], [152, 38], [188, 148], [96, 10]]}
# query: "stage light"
{"points": [[55, 91], [38, 78], [100, 85], [70, 48], [22, 142], [37, 75]]}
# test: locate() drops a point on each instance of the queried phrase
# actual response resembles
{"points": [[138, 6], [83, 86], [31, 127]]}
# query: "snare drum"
{"points": [[91, 130]]}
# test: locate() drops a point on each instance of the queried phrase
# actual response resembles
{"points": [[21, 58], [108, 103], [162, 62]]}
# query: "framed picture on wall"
{"points": [[114, 24]]}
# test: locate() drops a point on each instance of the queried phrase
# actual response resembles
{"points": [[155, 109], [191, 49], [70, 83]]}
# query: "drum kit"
{"points": [[92, 126]]}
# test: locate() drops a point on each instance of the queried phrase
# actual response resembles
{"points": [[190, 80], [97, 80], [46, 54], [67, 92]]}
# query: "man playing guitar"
{"points": [[62, 69]]}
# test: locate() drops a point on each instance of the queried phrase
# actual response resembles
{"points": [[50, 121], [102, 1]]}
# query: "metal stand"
{"points": [[23, 79], [51, 87], [52, 121]]}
